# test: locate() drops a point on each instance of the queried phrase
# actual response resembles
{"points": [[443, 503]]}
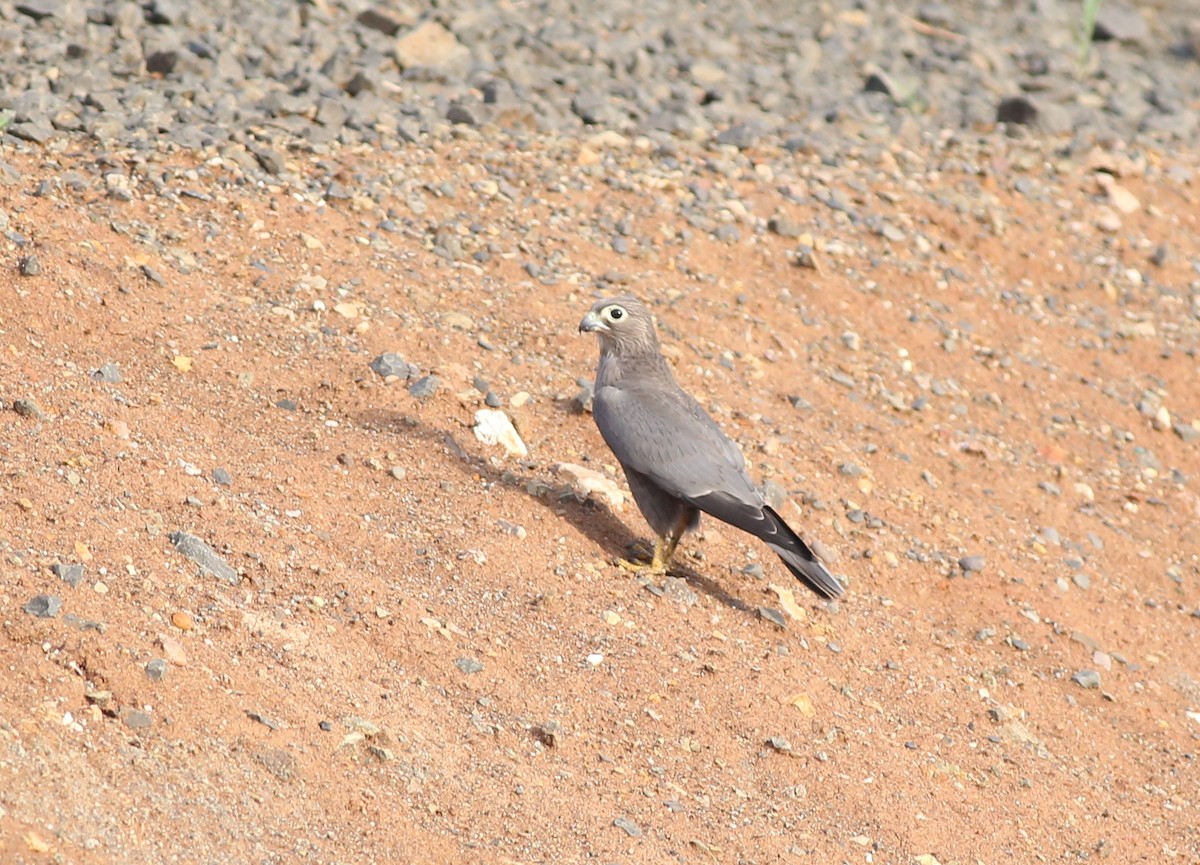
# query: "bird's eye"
{"points": [[616, 313]]}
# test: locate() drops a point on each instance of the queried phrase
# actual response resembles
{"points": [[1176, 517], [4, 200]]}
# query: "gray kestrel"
{"points": [[676, 459]]}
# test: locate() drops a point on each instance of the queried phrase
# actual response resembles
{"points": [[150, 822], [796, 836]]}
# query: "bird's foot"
{"points": [[639, 551], [643, 559], [642, 567], [648, 560]]}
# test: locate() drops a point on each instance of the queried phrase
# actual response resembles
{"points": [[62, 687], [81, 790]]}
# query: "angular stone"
{"points": [[390, 363], [204, 556], [71, 574], [429, 44], [43, 606], [493, 427], [425, 387]]}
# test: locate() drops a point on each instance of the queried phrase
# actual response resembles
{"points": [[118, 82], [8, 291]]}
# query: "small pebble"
{"points": [[628, 827], [136, 719], [109, 373], [425, 387], [28, 408], [773, 616], [970, 564], [156, 669], [1087, 679], [204, 556], [43, 606], [389, 363], [468, 665], [71, 574]]}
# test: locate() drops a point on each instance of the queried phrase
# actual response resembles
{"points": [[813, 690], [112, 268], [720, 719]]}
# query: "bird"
{"points": [[676, 459]]}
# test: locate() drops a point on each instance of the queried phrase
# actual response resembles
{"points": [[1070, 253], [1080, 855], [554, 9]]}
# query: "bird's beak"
{"points": [[592, 322]]}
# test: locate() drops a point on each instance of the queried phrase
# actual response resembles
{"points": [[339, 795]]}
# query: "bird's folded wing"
{"points": [[667, 437]]}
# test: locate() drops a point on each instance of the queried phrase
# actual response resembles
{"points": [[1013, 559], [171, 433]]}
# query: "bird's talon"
{"points": [[639, 551], [641, 567]]}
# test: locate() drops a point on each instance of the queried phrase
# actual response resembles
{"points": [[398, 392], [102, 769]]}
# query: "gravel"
{"points": [[268, 75]]}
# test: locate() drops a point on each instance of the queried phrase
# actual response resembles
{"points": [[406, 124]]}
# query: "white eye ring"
{"points": [[614, 313]]}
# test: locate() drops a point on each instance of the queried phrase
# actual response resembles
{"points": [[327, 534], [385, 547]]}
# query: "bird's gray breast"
{"points": [[656, 429]]}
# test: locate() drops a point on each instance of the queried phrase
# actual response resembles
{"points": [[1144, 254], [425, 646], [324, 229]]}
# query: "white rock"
{"points": [[593, 483], [492, 427]]}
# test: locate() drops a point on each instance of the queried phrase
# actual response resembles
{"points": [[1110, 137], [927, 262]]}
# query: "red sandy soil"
{"points": [[930, 715]]}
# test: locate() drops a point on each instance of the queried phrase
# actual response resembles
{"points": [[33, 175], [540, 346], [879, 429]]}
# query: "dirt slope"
{"points": [[985, 366]]}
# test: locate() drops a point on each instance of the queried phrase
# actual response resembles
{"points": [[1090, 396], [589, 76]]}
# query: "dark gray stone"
{"points": [[71, 574], [1016, 109], [389, 363], [204, 556], [773, 616], [425, 387], [43, 606]]}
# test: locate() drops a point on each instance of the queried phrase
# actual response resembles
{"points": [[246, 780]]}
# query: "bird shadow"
{"points": [[593, 519]]}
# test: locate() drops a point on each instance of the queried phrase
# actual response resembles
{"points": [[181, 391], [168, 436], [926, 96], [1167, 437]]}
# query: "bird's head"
{"points": [[621, 323]]}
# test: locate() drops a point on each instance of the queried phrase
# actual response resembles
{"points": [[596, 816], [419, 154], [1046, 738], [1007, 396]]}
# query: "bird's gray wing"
{"points": [[665, 435]]}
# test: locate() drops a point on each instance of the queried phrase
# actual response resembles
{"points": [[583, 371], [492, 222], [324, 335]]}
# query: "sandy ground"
{"points": [[429, 655]]}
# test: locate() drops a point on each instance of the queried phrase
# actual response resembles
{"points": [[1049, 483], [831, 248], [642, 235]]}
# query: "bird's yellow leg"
{"points": [[669, 552], [658, 560], [664, 551]]}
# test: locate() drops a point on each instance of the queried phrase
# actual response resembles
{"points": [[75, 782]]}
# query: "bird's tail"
{"points": [[799, 559]]}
